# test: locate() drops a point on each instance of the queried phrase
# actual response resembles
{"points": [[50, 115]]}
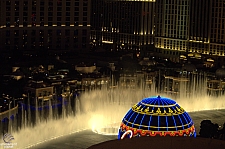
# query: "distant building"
{"points": [[171, 27], [85, 68], [39, 89], [175, 27], [122, 25], [190, 26], [57, 25]]}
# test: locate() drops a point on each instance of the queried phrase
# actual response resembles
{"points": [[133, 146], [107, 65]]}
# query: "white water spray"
{"points": [[103, 108]]}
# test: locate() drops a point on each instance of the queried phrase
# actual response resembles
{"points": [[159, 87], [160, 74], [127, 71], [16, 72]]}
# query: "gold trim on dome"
{"points": [[157, 126], [157, 111]]}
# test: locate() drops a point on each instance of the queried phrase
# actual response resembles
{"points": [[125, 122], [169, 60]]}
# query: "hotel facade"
{"points": [[55, 25], [169, 28], [174, 27], [191, 26], [122, 25]]}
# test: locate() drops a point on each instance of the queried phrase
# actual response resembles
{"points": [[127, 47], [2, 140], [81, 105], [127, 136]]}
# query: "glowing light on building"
{"points": [[156, 116], [137, 0]]}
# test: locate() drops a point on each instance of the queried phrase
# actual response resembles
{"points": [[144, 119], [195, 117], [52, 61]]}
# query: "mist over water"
{"points": [[102, 108]]}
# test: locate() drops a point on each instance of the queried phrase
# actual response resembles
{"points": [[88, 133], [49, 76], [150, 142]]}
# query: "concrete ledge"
{"points": [[162, 143], [9, 113]]}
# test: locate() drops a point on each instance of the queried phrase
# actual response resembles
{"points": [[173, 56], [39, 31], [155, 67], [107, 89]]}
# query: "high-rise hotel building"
{"points": [[175, 27], [207, 27], [171, 26], [57, 25], [190, 26], [122, 24]]}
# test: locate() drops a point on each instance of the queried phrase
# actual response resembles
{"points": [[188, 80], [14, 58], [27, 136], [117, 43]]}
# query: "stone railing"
{"points": [[9, 113]]}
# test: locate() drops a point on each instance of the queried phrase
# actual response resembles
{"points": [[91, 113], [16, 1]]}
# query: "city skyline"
{"points": [[179, 26], [169, 28], [84, 63]]}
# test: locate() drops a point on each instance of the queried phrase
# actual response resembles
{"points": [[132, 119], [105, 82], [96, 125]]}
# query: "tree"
{"points": [[223, 132], [206, 129], [215, 132]]}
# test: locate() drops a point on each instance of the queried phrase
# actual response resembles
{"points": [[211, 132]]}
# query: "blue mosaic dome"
{"points": [[157, 116]]}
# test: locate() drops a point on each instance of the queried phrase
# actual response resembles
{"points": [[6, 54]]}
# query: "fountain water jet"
{"points": [[36, 112], [50, 116], [100, 109], [77, 106]]}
